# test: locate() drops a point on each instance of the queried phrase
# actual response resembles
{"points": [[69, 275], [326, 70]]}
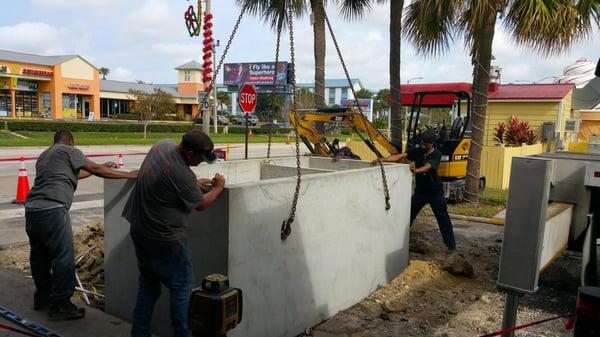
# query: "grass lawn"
{"points": [[491, 202], [124, 138]]}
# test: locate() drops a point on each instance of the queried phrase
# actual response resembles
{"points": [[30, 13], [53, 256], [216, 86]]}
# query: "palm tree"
{"points": [[104, 71], [274, 12], [546, 26]]}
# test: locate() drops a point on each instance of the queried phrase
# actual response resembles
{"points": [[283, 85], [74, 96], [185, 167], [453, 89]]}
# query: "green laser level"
{"points": [[215, 307]]}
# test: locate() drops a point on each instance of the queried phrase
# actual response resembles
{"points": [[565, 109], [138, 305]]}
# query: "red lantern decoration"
{"points": [[207, 50]]}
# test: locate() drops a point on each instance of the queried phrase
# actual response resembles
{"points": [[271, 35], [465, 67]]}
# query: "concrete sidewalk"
{"points": [[16, 295]]}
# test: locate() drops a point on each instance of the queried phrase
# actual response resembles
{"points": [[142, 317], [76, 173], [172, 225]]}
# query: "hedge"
{"points": [[53, 126]]}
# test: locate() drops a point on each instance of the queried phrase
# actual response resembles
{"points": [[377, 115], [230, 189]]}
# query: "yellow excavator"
{"points": [[454, 142]]}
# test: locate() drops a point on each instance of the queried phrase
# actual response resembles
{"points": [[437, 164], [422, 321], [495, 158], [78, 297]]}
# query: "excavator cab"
{"points": [[453, 141]]}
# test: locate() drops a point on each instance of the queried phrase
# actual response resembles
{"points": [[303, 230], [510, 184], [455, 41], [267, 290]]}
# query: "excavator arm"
{"points": [[318, 143]]}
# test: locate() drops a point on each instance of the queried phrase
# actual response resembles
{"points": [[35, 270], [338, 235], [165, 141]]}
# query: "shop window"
{"points": [[5, 104], [45, 110], [69, 106]]}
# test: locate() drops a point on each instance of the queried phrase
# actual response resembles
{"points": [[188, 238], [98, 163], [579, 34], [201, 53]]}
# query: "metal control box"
{"points": [[524, 225], [592, 174]]}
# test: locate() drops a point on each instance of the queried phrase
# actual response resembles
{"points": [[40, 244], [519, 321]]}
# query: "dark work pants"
{"points": [[437, 201], [52, 256], [168, 263]]}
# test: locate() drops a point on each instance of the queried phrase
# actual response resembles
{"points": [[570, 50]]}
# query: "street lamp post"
{"points": [[414, 78]]}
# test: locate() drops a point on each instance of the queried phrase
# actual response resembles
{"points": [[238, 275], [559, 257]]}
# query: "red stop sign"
{"points": [[247, 98]]}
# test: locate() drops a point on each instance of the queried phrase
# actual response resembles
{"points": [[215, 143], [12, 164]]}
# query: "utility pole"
{"points": [[206, 114], [214, 50]]}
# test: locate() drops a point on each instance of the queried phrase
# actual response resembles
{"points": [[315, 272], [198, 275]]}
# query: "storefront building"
{"points": [[57, 87], [69, 87]]}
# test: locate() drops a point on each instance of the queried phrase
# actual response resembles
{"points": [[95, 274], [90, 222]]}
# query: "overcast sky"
{"points": [[145, 40]]}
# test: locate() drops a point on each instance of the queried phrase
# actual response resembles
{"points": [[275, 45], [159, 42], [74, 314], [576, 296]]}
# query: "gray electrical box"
{"points": [[524, 225]]}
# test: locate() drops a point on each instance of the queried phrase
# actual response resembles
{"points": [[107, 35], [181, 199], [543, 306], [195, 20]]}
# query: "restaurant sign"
{"points": [[35, 72]]}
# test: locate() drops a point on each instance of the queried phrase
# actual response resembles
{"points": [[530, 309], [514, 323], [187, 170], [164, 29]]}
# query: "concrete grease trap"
{"points": [[343, 246]]}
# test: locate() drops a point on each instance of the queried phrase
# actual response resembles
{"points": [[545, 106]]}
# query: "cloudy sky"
{"points": [[145, 40]]}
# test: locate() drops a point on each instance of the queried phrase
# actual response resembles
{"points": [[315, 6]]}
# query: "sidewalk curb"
{"points": [[491, 221]]}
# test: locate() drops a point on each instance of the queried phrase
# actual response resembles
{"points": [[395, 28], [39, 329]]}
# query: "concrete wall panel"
{"points": [[342, 247]]}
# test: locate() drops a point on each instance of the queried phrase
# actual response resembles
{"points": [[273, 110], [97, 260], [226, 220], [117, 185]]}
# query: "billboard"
{"points": [[255, 73]]}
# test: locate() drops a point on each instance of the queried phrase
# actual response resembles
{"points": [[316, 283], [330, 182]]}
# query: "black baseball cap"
{"points": [[201, 144], [428, 137]]}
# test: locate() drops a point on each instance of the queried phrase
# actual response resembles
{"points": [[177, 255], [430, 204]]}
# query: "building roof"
{"points": [[193, 65], [588, 97], [332, 83], [549, 91], [38, 59], [504, 92], [125, 87]]}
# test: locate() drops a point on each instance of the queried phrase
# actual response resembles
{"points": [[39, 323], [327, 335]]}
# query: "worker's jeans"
{"points": [[437, 201], [168, 263], [51, 257]]}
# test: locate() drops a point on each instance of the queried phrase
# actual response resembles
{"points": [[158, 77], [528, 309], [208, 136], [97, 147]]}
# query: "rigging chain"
{"points": [[279, 28], [337, 47], [222, 59], [286, 226]]}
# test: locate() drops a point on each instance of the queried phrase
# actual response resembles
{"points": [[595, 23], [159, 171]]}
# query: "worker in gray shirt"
{"points": [[48, 224], [158, 209]]}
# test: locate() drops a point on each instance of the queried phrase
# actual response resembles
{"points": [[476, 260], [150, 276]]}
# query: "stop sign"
{"points": [[247, 98]]}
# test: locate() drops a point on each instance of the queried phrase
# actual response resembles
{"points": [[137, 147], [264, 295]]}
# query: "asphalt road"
{"points": [[88, 203]]}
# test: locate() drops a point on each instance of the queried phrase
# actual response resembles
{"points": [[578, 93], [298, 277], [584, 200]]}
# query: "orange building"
{"points": [[48, 86], [69, 87]]}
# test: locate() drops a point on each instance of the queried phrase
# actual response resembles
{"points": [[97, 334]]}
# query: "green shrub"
{"points": [[53, 126]]}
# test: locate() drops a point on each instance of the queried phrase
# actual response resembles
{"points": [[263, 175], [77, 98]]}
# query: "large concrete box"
{"points": [[343, 246]]}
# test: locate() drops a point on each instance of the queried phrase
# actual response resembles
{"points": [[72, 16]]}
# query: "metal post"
{"points": [[206, 114], [511, 305], [216, 128], [246, 150]]}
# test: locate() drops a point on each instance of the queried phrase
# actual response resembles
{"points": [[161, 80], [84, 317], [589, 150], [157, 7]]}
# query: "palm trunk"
{"points": [[397, 119], [482, 58], [318, 8]]}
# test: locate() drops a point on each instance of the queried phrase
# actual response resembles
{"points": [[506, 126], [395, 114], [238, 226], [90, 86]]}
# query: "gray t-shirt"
{"points": [[56, 172], [164, 195]]}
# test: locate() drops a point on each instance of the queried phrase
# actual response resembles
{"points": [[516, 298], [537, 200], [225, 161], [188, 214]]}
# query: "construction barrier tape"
{"points": [[523, 326]]}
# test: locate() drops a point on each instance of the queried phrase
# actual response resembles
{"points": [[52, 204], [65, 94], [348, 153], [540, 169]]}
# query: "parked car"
{"points": [[272, 125], [221, 120], [241, 120]]}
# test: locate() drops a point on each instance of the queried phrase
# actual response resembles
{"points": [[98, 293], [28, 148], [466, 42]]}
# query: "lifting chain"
{"points": [[286, 226], [222, 59], [337, 48], [273, 92]]}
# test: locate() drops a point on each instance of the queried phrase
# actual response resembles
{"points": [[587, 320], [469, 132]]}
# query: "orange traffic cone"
{"points": [[22, 184], [120, 162], [250, 134], [287, 141]]}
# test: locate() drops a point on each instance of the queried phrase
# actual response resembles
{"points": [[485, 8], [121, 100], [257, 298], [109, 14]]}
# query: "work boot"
{"points": [[40, 302], [65, 311]]}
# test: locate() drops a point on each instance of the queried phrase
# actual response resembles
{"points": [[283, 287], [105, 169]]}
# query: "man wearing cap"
{"points": [[158, 210], [48, 225], [429, 189]]}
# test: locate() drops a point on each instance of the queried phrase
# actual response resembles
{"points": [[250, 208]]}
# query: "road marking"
{"points": [[20, 212]]}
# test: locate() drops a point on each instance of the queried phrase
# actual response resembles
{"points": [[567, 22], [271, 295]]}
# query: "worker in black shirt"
{"points": [[424, 162]]}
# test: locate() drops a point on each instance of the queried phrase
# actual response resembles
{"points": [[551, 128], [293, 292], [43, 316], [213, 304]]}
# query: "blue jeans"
{"points": [[52, 256], [168, 263]]}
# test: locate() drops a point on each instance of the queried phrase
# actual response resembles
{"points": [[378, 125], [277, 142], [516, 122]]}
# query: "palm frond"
{"points": [[431, 24], [274, 12], [549, 26], [474, 14], [354, 9]]}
